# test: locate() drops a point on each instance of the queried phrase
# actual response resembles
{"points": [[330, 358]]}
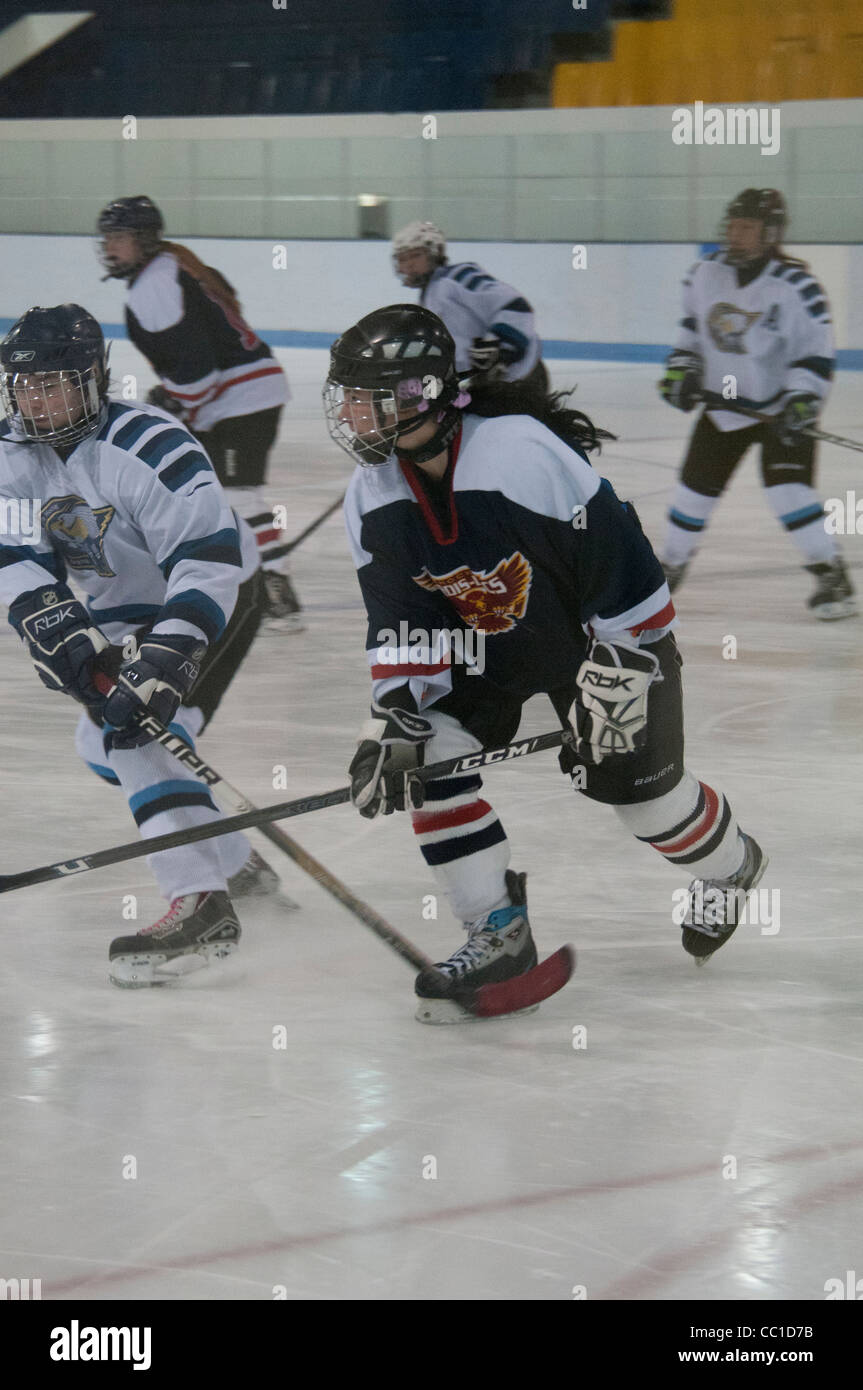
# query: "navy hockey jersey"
{"points": [[532, 549], [205, 354], [135, 518]]}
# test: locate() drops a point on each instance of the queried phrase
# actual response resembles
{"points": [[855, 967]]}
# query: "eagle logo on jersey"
{"points": [[77, 531], [488, 600], [728, 324]]}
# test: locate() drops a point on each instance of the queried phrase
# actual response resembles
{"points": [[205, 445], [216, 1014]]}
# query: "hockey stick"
{"points": [[284, 810], [509, 996], [714, 401], [280, 550]]}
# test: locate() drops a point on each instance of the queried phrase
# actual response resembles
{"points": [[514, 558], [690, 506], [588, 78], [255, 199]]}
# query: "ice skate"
{"points": [[256, 879], [283, 612], [674, 574], [714, 907], [499, 947], [834, 595], [202, 925]]}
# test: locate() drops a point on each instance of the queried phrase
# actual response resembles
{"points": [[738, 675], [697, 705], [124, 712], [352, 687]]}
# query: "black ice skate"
{"points": [[715, 905], [283, 612], [257, 880], [199, 924], [674, 574], [499, 947], [834, 595]]}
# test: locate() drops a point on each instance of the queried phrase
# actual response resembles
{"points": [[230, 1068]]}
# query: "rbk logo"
{"points": [[46, 621], [606, 682]]}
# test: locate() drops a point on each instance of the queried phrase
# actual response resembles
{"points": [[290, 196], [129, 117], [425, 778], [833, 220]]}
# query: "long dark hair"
{"points": [[517, 398]]}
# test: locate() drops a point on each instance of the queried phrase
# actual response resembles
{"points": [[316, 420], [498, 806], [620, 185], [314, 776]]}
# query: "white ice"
{"points": [[704, 1143]]}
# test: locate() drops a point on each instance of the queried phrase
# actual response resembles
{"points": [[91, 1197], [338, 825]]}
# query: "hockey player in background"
{"points": [[132, 511], [484, 515], [755, 314], [216, 374], [491, 323]]}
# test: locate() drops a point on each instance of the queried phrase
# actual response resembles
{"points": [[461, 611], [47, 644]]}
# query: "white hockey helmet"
{"points": [[419, 236]]}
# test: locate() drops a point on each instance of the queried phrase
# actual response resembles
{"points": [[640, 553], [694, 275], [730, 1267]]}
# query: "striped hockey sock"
{"points": [[465, 845]]}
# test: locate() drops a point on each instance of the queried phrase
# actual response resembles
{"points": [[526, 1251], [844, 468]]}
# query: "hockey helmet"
{"points": [[419, 236], [139, 216], [53, 375], [387, 373], [764, 205]]}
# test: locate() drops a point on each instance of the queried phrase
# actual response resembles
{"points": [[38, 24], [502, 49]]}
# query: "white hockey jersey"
{"points": [[205, 354], [135, 518], [473, 304], [772, 335]]}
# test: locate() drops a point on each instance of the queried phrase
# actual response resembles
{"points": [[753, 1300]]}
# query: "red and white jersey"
{"points": [[202, 349]]}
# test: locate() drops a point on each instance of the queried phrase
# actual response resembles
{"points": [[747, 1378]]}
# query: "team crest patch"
{"points": [[728, 325], [77, 531], [488, 600]]}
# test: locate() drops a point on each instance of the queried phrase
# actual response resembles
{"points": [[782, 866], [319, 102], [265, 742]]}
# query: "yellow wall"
{"points": [[780, 50]]}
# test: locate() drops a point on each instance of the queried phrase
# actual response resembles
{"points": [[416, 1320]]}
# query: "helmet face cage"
{"points": [[764, 205], [368, 422], [60, 407]]}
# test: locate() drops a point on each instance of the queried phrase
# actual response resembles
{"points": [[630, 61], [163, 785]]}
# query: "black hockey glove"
{"points": [[799, 412], [681, 385], [156, 682], [62, 639], [390, 749], [489, 357], [609, 713], [157, 395]]}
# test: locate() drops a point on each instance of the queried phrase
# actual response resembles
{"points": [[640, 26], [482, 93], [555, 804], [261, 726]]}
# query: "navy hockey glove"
{"points": [[156, 682], [681, 385], [491, 356], [609, 713], [62, 639], [157, 395], [390, 749], [799, 412]]}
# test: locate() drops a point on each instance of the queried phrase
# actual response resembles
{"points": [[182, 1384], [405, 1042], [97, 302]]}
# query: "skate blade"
{"points": [[832, 612], [447, 1011], [148, 971], [285, 626], [701, 961]]}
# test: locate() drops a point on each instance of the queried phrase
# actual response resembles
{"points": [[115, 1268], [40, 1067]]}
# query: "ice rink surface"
{"points": [[653, 1132]]}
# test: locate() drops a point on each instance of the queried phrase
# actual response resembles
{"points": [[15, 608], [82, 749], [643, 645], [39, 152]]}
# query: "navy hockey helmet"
{"points": [[139, 216], [764, 205], [53, 375], [389, 375]]}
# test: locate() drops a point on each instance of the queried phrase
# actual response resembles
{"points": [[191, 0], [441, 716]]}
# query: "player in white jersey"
{"points": [[491, 323], [129, 508], [216, 373], [756, 323], [479, 517]]}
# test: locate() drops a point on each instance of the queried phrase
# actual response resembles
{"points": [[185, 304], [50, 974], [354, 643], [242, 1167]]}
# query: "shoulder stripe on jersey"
{"points": [[510, 335], [516, 306], [821, 366], [816, 310], [461, 272], [478, 280], [811, 291], [185, 467], [125, 613], [194, 606], [129, 433], [798, 276], [690, 323], [165, 442], [220, 548]]}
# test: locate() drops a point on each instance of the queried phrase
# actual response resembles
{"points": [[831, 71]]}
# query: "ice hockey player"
{"points": [[216, 374], [491, 323], [132, 511], [484, 515], [755, 315]]}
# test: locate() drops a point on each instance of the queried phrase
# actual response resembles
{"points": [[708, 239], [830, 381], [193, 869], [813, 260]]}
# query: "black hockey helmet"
{"points": [[386, 374], [53, 375], [764, 205], [138, 215]]}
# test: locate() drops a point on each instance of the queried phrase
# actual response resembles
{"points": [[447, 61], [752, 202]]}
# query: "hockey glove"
{"points": [[609, 713], [62, 639], [390, 749], [799, 412], [157, 395], [681, 385], [156, 682], [490, 357]]}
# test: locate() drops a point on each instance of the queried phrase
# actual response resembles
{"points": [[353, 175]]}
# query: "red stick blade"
{"points": [[523, 991]]}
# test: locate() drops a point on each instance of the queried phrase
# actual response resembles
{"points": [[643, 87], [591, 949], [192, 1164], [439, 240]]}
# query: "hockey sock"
{"points": [[798, 507], [692, 826], [687, 519], [250, 504], [463, 841]]}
